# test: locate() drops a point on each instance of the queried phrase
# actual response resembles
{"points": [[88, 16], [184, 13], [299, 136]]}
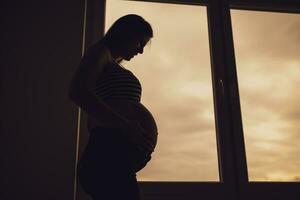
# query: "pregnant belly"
{"points": [[137, 112]]}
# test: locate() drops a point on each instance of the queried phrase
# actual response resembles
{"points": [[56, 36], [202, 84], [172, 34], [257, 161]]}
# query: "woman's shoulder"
{"points": [[97, 54], [99, 49]]}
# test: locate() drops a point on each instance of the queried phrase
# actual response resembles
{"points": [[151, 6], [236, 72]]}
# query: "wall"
{"points": [[40, 49]]}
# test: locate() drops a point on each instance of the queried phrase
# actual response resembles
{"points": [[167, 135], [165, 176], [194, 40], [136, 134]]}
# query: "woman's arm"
{"points": [[80, 92], [84, 79]]}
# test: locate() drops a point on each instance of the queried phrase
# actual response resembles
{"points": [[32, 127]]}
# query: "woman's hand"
{"points": [[138, 136]]}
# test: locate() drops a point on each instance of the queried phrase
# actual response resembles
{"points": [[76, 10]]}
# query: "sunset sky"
{"points": [[175, 73]]}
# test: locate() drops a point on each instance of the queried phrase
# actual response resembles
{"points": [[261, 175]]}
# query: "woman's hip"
{"points": [[108, 149]]}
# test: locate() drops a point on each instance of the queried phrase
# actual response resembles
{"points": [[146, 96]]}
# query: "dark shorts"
{"points": [[107, 169]]}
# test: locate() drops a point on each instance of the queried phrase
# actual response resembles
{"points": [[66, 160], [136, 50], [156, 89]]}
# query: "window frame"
{"points": [[234, 183]]}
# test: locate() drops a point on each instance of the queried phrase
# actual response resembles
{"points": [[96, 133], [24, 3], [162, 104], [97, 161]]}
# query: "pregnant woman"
{"points": [[123, 133]]}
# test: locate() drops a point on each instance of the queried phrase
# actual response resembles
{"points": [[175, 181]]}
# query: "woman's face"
{"points": [[135, 47]]}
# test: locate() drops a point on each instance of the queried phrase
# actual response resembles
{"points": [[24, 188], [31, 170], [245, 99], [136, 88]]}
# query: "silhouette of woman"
{"points": [[123, 133]]}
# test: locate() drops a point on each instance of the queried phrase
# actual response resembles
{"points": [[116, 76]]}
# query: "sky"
{"points": [[175, 73]]}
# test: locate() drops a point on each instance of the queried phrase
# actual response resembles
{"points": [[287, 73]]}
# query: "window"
{"points": [[176, 77], [268, 65], [266, 60]]}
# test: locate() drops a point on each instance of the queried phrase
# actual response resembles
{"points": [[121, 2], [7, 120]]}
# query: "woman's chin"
{"points": [[128, 58]]}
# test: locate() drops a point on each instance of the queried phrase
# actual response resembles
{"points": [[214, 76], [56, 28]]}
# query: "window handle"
{"points": [[222, 86]]}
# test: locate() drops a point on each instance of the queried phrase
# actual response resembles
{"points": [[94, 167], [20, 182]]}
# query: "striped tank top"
{"points": [[119, 84]]}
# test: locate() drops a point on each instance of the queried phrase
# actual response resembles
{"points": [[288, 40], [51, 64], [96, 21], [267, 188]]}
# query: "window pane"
{"points": [[177, 87], [268, 64]]}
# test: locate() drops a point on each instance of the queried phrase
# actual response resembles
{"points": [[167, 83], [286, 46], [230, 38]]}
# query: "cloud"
{"points": [[297, 178], [275, 41]]}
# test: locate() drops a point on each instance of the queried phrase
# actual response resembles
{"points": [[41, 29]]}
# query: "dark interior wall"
{"points": [[40, 49]]}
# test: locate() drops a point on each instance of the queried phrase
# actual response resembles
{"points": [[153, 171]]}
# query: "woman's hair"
{"points": [[126, 29]]}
